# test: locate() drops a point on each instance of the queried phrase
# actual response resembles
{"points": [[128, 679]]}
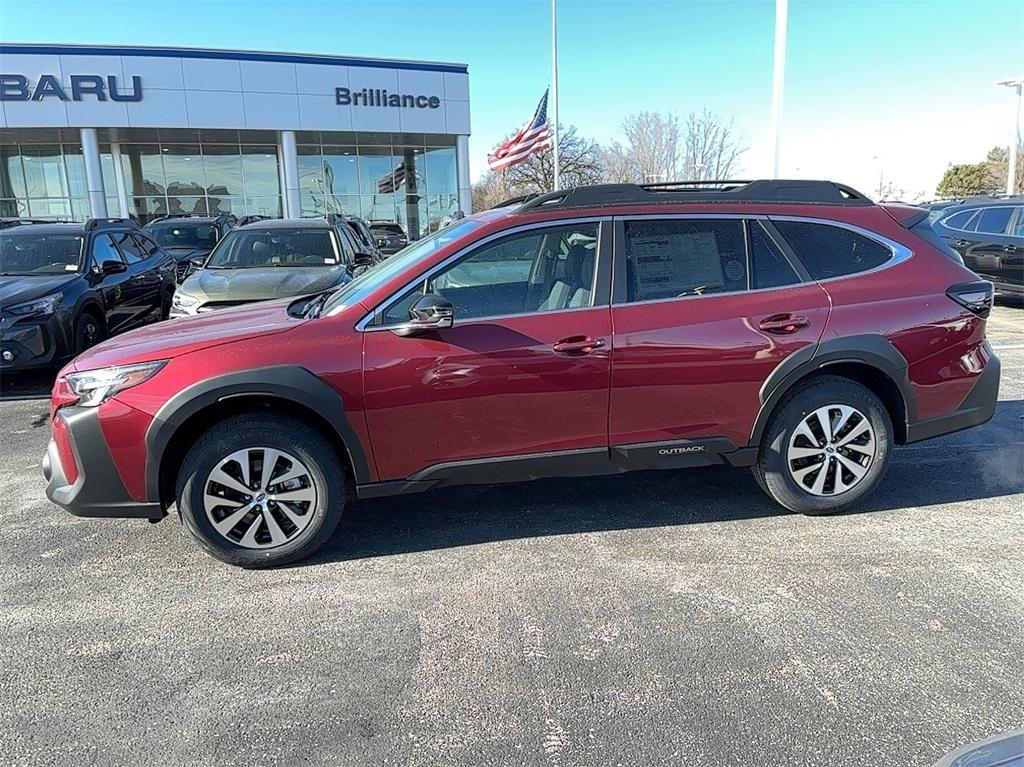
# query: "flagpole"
{"points": [[554, 86], [778, 81]]}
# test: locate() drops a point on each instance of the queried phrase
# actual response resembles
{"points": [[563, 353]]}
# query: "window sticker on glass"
{"points": [[676, 262]]}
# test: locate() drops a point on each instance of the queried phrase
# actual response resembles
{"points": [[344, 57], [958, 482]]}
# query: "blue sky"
{"points": [[874, 86]]}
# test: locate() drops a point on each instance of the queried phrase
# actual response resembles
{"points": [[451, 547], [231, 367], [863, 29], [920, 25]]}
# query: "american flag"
{"points": [[532, 138], [394, 180]]}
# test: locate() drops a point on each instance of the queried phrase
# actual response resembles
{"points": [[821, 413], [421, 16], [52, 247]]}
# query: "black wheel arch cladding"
{"points": [[291, 383], [872, 351]]}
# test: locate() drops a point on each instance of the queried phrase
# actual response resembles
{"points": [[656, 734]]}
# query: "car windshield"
{"points": [[26, 253], [255, 247], [184, 235], [377, 275], [385, 230]]}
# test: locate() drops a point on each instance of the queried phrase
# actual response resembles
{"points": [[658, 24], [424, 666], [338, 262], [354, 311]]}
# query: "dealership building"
{"points": [[105, 131]]}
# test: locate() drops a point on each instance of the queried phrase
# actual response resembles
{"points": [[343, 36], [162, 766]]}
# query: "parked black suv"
{"points": [[391, 237], [64, 287], [361, 230], [988, 232], [189, 238]]}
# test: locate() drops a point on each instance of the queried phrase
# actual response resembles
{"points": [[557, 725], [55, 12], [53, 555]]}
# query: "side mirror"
{"points": [[113, 266], [429, 312], [363, 259]]}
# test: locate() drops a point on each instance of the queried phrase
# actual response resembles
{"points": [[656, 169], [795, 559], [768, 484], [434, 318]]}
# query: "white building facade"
{"points": [[104, 131]]}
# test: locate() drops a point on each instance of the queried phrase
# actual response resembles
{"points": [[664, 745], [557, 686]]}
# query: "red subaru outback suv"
{"points": [[792, 327]]}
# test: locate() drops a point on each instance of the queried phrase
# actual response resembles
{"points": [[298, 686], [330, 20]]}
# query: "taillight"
{"points": [[975, 296]]}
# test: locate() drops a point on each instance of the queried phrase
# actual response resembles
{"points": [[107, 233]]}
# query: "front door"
{"points": [[522, 375], [703, 311]]}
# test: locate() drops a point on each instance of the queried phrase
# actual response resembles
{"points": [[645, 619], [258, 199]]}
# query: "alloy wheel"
{"points": [[259, 497], [831, 450]]}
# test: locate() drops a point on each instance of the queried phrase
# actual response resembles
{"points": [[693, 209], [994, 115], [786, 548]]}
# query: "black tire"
{"points": [[326, 475], [772, 470], [165, 305], [88, 331]]}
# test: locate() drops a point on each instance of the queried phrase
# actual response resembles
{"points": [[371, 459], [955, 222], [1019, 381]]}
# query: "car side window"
{"points": [[769, 267], [1018, 229], [146, 245], [684, 257], [831, 251], [345, 244], [958, 220], [541, 270], [994, 220], [133, 253], [104, 249]]}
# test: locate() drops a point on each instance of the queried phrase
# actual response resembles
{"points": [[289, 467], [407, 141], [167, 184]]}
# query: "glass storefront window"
{"points": [[44, 172], [377, 170], [222, 165], [183, 169], [341, 175], [143, 169], [12, 175], [260, 170], [380, 176]]}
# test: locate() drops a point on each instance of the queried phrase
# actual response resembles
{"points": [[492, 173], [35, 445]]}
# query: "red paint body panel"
{"points": [[675, 369], [485, 388], [693, 367]]}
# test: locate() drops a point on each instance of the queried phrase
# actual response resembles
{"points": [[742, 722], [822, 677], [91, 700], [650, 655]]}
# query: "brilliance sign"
{"points": [[18, 88]]}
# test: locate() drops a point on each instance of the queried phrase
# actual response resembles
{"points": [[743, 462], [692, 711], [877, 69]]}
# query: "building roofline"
{"points": [[226, 54]]}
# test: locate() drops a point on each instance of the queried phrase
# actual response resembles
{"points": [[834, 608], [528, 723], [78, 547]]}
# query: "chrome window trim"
{"points": [[363, 324], [977, 214], [900, 253], [491, 318]]}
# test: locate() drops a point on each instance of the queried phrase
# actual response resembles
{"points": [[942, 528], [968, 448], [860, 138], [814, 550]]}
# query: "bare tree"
{"points": [[711, 149], [653, 145], [618, 165], [489, 191], [659, 149], [579, 163]]}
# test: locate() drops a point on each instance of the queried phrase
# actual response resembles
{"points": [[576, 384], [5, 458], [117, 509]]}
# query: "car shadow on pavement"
{"points": [[28, 385], [961, 467]]}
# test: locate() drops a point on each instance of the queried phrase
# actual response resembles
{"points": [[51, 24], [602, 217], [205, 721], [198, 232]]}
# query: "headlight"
{"points": [[183, 300], [46, 305], [94, 387]]}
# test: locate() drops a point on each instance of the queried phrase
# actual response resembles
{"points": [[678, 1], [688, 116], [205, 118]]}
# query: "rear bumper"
{"points": [[977, 408], [97, 491]]}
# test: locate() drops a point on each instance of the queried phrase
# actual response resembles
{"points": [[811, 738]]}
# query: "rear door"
{"points": [[703, 310], [518, 386], [115, 287], [144, 278]]}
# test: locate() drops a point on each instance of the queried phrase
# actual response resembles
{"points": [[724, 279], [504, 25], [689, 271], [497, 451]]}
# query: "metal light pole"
{"points": [[554, 87], [1011, 175], [778, 80]]}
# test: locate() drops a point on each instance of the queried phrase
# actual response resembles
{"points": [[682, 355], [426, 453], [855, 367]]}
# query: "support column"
{"points": [[122, 189], [462, 169], [93, 173], [290, 165]]}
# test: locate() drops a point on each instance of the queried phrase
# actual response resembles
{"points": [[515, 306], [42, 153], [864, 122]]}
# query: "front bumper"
{"points": [[978, 407], [32, 343], [97, 490]]}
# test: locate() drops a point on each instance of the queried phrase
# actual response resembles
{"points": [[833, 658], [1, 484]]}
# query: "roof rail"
{"points": [[251, 219], [518, 200], [7, 222], [99, 223], [681, 192]]}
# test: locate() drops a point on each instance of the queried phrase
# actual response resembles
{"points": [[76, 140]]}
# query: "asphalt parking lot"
{"points": [[649, 619]]}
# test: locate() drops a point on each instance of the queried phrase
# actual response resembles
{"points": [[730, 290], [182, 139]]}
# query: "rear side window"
{"points": [[131, 250], [959, 220], [1018, 230], [149, 248], [994, 220], [684, 257], [831, 251], [769, 268]]}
